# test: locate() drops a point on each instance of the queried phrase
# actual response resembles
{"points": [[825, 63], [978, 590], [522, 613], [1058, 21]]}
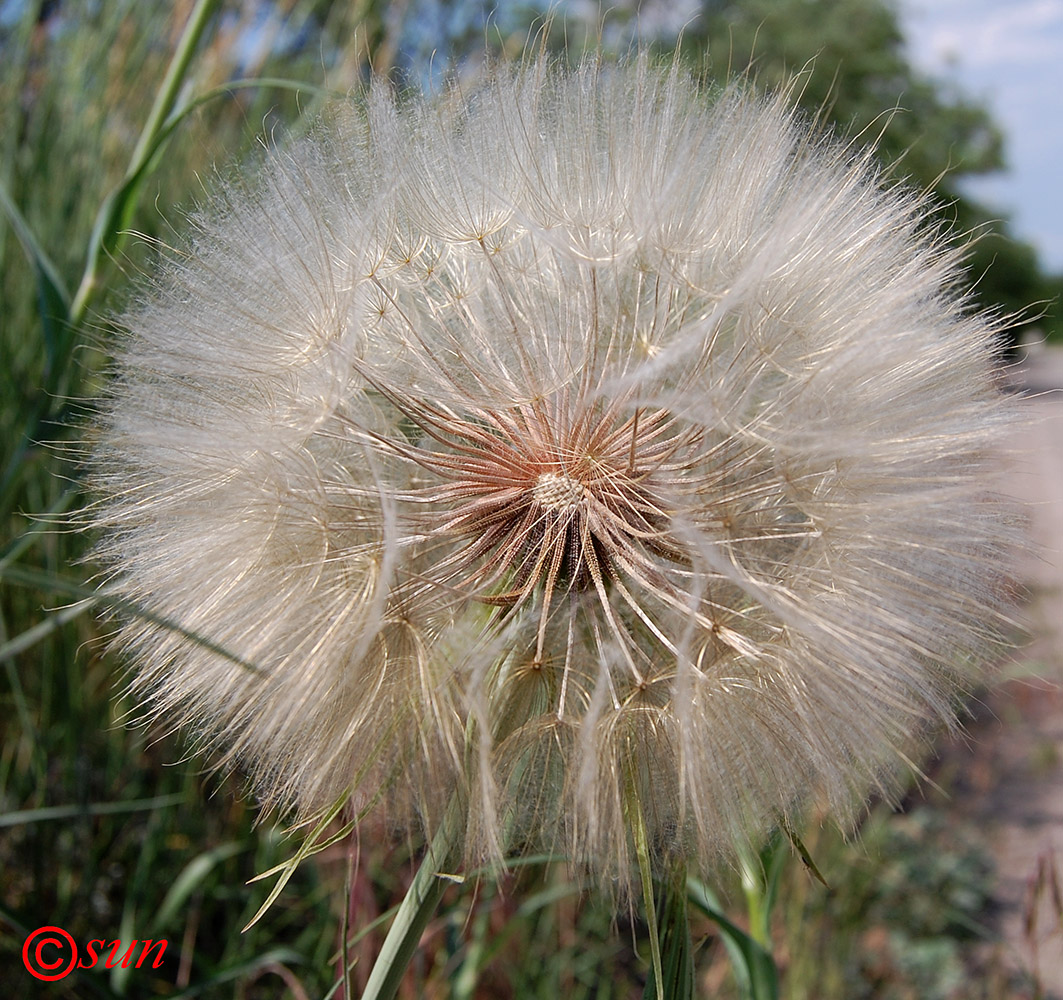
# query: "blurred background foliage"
{"points": [[104, 830]]}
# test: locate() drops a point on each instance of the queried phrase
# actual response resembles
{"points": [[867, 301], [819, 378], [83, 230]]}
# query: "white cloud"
{"points": [[1008, 54], [995, 36]]}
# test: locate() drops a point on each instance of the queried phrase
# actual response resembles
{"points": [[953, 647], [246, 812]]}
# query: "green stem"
{"points": [[171, 84], [676, 980], [163, 105], [416, 910], [753, 889], [642, 853], [752, 963], [761, 875]]}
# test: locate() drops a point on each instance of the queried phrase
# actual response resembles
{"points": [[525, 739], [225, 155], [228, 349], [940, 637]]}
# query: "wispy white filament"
{"points": [[580, 437]]}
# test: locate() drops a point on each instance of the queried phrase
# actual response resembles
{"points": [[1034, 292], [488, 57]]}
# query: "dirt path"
{"points": [[1012, 783]]}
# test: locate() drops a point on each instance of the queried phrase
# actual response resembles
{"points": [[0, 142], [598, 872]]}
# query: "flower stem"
{"points": [[415, 911], [642, 852], [674, 979]]}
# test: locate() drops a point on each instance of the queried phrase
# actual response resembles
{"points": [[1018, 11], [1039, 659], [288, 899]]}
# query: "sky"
{"points": [[1009, 55]]}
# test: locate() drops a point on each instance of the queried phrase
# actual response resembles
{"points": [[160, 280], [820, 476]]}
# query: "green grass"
{"points": [[104, 830]]}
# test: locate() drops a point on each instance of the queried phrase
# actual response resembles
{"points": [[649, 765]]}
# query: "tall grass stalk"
{"points": [[97, 834]]}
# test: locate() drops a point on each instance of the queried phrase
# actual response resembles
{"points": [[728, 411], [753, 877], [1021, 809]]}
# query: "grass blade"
{"points": [[192, 875], [753, 965], [36, 633], [48, 814], [51, 582], [118, 206]]}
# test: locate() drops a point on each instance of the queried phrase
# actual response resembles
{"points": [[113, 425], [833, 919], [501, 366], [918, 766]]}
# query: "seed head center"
{"points": [[557, 491]]}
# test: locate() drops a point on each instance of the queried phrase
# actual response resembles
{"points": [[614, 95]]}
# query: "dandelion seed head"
{"points": [[581, 442]]}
